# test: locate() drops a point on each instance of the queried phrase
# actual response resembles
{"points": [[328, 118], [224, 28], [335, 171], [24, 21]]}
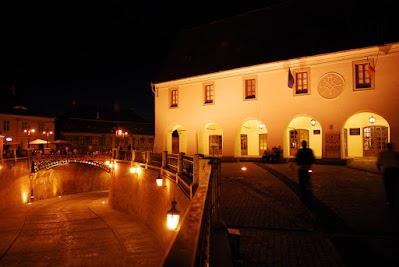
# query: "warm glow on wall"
{"points": [[24, 196]]}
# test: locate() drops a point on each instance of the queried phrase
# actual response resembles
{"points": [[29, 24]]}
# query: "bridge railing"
{"points": [[46, 161]]}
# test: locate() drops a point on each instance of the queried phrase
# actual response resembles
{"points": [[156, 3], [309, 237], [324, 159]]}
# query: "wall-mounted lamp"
{"points": [[159, 180], [261, 125], [173, 216], [313, 122], [371, 119]]}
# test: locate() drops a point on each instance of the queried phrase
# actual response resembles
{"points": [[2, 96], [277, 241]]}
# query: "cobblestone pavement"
{"points": [[345, 222]]}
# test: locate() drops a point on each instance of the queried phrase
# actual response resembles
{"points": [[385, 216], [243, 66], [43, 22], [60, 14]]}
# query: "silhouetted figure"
{"points": [[304, 159], [267, 156], [277, 153], [388, 165]]}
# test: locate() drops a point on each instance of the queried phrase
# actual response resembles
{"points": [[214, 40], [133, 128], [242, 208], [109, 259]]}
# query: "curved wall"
{"points": [[17, 181], [139, 195]]}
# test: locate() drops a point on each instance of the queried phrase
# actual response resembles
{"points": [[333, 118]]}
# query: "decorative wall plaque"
{"points": [[331, 85]]}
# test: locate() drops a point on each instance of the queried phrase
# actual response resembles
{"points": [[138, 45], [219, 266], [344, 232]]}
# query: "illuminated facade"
{"points": [[18, 127], [352, 97]]}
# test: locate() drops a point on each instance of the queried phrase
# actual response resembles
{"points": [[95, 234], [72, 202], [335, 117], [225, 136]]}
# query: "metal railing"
{"points": [[40, 162]]}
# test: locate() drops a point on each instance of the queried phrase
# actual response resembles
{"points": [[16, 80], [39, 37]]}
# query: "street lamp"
{"points": [[121, 134], [28, 132], [47, 133]]}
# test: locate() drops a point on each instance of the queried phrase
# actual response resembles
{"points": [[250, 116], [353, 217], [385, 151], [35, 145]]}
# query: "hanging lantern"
{"points": [[173, 216], [159, 180]]}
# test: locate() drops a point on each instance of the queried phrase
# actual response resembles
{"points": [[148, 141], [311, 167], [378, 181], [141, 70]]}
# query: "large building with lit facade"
{"points": [[20, 127], [225, 96]]}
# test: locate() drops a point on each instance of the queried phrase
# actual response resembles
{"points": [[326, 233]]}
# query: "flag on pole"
{"points": [[290, 79], [371, 70]]}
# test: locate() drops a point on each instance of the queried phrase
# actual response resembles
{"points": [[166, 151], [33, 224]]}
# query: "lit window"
{"points": [[174, 97], [6, 126], [250, 88], [363, 75], [41, 127], [301, 82], [209, 92]]}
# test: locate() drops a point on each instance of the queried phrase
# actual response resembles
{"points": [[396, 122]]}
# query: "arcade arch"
{"points": [[365, 134], [176, 139]]}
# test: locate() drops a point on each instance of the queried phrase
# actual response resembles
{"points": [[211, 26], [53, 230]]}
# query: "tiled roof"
{"points": [[280, 32], [76, 125], [23, 111], [90, 120]]}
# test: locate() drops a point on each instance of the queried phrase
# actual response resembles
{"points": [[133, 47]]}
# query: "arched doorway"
{"points": [[375, 139], [253, 138], [365, 135], [176, 139], [210, 140], [304, 128], [296, 138], [175, 142]]}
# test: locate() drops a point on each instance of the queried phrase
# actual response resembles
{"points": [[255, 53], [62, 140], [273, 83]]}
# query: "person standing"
{"points": [[304, 159], [388, 165]]}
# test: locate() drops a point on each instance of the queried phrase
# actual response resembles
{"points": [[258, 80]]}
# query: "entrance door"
{"points": [[175, 142], [296, 138], [244, 145], [262, 143], [332, 147], [375, 139], [215, 145]]}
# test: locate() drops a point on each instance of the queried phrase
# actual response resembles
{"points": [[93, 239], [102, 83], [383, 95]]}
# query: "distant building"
{"points": [[239, 86], [21, 126], [90, 130]]}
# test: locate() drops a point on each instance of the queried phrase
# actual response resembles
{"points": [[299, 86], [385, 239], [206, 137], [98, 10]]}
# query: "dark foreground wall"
{"points": [[18, 183]]}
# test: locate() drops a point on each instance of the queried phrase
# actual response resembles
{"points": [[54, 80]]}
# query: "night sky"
{"points": [[95, 52]]}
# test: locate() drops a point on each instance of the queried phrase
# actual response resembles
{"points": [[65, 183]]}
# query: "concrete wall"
{"points": [[139, 195], [17, 181]]}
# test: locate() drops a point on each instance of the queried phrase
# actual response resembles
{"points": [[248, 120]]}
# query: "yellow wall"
{"points": [[278, 108]]}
